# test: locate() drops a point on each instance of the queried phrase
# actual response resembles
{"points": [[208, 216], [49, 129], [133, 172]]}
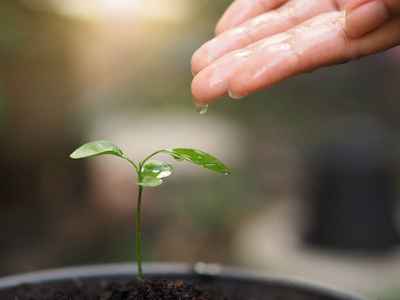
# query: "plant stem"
{"points": [[139, 257]]}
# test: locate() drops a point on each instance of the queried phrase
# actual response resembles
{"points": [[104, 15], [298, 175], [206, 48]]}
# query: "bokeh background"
{"points": [[315, 160]]}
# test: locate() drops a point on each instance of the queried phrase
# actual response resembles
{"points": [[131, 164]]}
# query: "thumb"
{"points": [[363, 16]]}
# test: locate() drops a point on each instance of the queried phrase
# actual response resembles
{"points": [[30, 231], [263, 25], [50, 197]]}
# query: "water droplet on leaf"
{"points": [[177, 158], [164, 174]]}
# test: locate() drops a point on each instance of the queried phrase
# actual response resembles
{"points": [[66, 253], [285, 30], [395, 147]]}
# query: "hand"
{"points": [[261, 42]]}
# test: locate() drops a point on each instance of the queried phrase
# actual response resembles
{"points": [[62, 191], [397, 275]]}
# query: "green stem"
{"points": [[150, 156], [139, 257]]}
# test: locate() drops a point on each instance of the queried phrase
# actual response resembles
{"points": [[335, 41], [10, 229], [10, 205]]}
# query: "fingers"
{"points": [[275, 53], [362, 16], [212, 82], [242, 10], [324, 44], [318, 42], [290, 14]]}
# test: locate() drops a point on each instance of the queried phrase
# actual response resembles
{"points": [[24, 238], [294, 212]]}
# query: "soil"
{"points": [[151, 289]]}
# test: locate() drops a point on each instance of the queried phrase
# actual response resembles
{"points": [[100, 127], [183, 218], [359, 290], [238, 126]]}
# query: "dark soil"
{"points": [[152, 289]]}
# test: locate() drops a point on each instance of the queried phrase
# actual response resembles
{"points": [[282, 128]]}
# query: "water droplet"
{"points": [[164, 174], [177, 158], [226, 173], [201, 108]]}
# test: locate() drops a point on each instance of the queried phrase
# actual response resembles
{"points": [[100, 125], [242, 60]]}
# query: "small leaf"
{"points": [[150, 182], [96, 148], [153, 171], [197, 157]]}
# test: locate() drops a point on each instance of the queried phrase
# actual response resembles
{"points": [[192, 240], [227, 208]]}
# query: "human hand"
{"points": [[261, 42]]}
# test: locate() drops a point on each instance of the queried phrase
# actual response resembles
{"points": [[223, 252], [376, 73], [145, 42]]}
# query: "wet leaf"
{"points": [[96, 148], [153, 171], [197, 157]]}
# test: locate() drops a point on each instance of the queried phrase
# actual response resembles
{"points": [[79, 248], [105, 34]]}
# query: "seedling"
{"points": [[150, 173]]}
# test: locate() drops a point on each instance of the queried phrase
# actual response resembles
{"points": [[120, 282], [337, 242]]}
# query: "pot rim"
{"points": [[176, 269]]}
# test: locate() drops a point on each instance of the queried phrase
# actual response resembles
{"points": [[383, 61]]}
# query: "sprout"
{"points": [[150, 172]]}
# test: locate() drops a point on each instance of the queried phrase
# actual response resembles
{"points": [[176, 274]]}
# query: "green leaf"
{"points": [[96, 148], [153, 171], [197, 157]]}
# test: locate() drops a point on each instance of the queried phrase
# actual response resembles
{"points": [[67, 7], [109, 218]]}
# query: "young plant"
{"points": [[150, 172]]}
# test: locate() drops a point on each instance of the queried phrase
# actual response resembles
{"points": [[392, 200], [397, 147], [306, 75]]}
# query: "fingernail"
{"points": [[234, 95], [193, 73], [365, 18]]}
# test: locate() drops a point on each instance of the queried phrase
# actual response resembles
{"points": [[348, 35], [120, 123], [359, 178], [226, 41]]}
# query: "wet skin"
{"points": [[259, 43]]}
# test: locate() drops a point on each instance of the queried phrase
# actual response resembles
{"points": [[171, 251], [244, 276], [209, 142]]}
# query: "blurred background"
{"points": [[315, 160]]}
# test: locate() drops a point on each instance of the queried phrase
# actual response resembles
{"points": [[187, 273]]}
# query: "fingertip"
{"points": [[196, 90], [233, 94], [365, 17], [201, 92], [220, 27], [240, 84], [199, 60], [208, 53], [210, 84], [194, 63]]}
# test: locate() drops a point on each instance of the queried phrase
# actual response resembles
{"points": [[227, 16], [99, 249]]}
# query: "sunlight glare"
{"points": [[171, 10]]}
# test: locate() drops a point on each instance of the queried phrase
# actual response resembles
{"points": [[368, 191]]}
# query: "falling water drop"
{"points": [[201, 108]]}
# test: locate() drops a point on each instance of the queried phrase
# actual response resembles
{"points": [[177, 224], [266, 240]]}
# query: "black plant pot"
{"points": [[247, 283]]}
